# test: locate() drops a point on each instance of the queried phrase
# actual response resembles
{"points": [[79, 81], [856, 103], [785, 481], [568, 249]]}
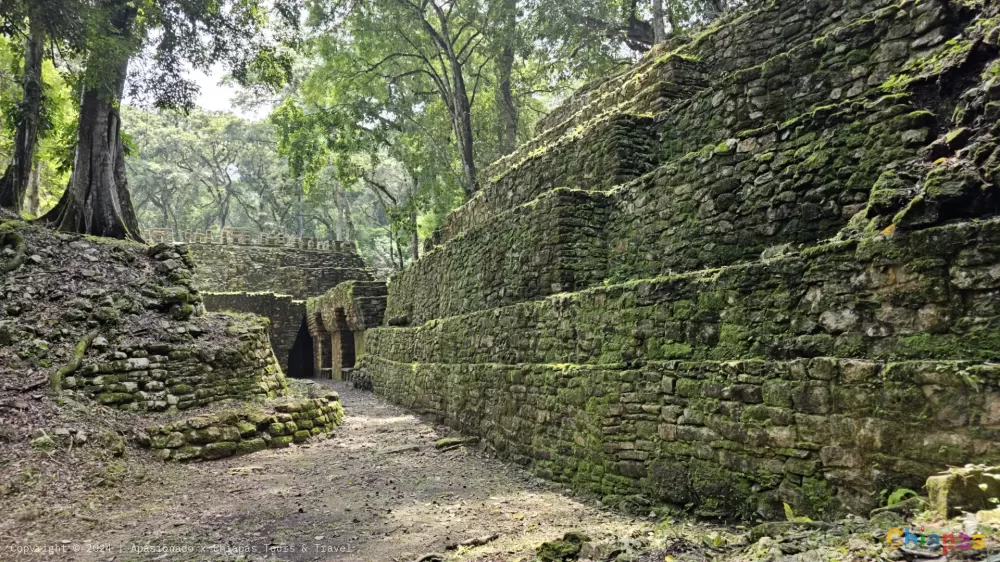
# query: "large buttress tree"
{"points": [[97, 200], [158, 37], [37, 24], [16, 178]]}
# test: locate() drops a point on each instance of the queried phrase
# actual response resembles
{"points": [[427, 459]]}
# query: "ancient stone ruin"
{"points": [[272, 277], [337, 323], [758, 268]]}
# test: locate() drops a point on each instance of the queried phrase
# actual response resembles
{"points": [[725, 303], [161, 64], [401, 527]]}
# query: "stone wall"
{"points": [[783, 152], [613, 387], [780, 285], [274, 280], [932, 293], [185, 371], [285, 314], [301, 273], [552, 245], [238, 432], [731, 438]]}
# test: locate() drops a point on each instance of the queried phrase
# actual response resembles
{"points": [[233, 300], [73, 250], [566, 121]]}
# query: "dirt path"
{"points": [[378, 491]]}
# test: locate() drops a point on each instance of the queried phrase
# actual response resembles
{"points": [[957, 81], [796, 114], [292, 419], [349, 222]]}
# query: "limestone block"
{"points": [[964, 489]]}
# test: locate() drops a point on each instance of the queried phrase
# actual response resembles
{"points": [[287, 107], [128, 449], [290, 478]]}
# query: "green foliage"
{"points": [[57, 131], [790, 515], [205, 170], [900, 495]]}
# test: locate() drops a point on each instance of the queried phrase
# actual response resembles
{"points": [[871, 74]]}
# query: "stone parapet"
{"points": [[281, 270], [242, 431], [244, 237]]}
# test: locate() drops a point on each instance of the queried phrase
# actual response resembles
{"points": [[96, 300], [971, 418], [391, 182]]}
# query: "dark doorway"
{"points": [[347, 348], [346, 337], [300, 358]]}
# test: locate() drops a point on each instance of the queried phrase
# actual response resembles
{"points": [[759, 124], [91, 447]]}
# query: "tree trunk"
{"points": [[463, 130], [659, 33], [399, 252], [302, 189], [341, 222], [392, 251], [97, 200], [639, 34], [224, 211], [505, 69], [15, 180], [414, 235], [34, 190], [349, 233], [165, 215], [716, 7], [462, 122]]}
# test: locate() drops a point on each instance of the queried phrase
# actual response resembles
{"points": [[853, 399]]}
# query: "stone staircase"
{"points": [[760, 267]]}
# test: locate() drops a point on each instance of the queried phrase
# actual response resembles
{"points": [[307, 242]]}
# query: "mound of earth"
{"points": [[99, 341]]}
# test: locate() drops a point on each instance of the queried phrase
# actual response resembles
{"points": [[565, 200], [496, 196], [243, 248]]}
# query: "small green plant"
{"points": [[790, 515], [715, 540], [900, 495], [971, 379], [895, 83]]}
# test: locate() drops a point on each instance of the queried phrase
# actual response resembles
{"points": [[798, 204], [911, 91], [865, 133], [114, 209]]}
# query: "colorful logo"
{"points": [[900, 538]]}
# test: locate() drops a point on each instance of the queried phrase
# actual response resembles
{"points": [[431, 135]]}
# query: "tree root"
{"points": [[11, 238], [774, 528], [78, 352], [472, 543], [911, 505]]}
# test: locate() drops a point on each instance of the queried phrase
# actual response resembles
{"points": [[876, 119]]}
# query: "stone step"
{"points": [[696, 107], [821, 434], [790, 185], [931, 293]]}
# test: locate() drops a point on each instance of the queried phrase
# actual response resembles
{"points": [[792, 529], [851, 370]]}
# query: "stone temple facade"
{"points": [[761, 266]]}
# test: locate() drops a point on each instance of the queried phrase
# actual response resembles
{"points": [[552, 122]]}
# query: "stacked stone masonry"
{"points": [[160, 376], [273, 277], [244, 237], [243, 431], [284, 312], [760, 267], [338, 321], [301, 273]]}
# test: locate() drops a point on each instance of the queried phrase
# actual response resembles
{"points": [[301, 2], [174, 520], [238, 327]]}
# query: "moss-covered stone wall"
{"points": [[285, 314], [273, 281], [548, 246], [930, 294], [243, 431], [285, 270], [791, 295], [729, 438], [163, 375], [783, 152], [185, 371], [604, 387], [337, 323]]}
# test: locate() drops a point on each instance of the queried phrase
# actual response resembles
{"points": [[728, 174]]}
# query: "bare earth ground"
{"points": [[378, 490]]}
